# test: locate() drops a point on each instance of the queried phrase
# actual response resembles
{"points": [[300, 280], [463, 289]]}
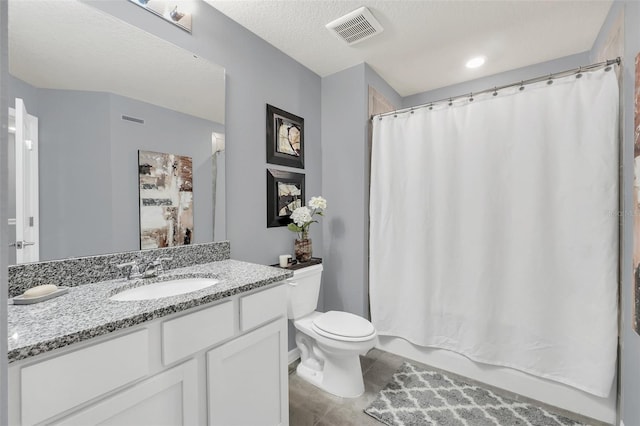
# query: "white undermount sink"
{"points": [[164, 289]]}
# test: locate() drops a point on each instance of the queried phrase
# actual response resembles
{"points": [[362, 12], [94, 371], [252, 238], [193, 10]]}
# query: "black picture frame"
{"points": [[276, 202], [291, 154]]}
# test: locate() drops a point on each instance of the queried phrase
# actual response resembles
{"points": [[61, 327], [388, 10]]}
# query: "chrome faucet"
{"points": [[133, 272], [155, 268], [144, 270]]}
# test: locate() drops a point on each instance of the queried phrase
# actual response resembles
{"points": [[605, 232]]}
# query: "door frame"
{"points": [[34, 189]]}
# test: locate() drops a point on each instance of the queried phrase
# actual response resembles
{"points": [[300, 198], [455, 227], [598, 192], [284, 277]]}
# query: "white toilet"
{"points": [[330, 343]]}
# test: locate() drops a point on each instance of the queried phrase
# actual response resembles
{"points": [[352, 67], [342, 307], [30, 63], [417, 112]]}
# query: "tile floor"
{"points": [[309, 406]]}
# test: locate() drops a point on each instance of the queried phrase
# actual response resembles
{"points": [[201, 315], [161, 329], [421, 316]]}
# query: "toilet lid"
{"points": [[344, 324]]}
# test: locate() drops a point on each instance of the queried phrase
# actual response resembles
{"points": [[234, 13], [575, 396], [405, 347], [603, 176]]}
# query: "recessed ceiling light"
{"points": [[476, 62]]}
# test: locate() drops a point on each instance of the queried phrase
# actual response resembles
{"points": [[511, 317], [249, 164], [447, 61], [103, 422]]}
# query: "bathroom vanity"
{"points": [[216, 356]]}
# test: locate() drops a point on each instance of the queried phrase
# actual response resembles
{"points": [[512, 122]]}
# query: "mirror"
{"points": [[93, 91]]}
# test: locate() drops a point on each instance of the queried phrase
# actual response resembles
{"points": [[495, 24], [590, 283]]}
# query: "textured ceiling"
{"points": [[425, 44], [70, 45]]}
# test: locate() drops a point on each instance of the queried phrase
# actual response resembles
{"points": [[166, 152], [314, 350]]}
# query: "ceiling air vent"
{"points": [[356, 26]]}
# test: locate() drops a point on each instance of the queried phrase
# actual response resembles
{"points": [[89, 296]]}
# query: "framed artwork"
{"points": [[636, 201], [285, 193], [166, 199], [285, 138]]}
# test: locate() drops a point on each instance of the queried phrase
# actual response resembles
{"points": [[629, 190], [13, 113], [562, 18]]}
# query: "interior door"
{"points": [[27, 244]]}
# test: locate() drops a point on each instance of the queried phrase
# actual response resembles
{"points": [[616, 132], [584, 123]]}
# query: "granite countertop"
{"points": [[86, 311]]}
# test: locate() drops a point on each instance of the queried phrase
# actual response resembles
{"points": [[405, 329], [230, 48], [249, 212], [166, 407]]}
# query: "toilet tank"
{"points": [[303, 290]]}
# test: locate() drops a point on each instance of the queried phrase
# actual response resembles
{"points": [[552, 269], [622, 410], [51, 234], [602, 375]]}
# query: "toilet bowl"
{"points": [[330, 343]]}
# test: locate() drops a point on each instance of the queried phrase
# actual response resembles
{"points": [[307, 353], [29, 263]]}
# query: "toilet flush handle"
{"points": [[292, 283]]}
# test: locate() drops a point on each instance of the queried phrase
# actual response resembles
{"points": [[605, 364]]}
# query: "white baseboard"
{"points": [[294, 354]]}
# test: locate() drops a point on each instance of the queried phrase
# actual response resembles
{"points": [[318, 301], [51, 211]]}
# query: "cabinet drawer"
{"points": [[190, 333], [56, 385], [258, 308]]}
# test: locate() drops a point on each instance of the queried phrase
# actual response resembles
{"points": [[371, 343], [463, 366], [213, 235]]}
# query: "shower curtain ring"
{"points": [[495, 91], [430, 106], [550, 81], [579, 74], [450, 102], [471, 97], [521, 86]]}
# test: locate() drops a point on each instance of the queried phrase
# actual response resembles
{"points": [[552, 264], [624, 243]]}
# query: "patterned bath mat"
{"points": [[420, 397]]}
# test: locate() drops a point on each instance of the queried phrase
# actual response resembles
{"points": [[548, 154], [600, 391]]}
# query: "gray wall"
{"points": [[256, 74], [75, 188], [344, 105], [89, 162], [163, 131], [345, 182], [507, 77], [19, 89], [374, 80], [630, 341]]}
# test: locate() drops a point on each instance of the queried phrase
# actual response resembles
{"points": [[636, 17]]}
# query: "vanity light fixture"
{"points": [[217, 140], [476, 62], [170, 10], [176, 15]]}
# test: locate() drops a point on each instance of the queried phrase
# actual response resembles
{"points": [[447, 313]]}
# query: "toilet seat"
{"points": [[343, 326]]}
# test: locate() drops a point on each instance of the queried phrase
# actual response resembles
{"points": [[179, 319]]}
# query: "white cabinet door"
{"points": [[247, 379], [169, 398]]}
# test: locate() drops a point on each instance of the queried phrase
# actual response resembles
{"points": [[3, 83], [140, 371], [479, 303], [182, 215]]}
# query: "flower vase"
{"points": [[303, 249]]}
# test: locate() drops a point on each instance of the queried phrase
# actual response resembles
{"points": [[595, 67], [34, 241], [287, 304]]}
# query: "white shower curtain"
{"points": [[494, 228]]}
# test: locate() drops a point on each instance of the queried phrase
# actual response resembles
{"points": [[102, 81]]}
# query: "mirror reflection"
{"points": [[87, 92]]}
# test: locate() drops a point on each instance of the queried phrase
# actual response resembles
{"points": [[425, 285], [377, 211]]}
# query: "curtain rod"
{"points": [[549, 78]]}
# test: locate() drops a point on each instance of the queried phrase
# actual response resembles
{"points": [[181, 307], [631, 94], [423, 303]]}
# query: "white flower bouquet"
{"points": [[302, 217]]}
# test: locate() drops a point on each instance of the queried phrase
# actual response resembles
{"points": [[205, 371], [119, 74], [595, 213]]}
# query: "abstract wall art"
{"points": [[636, 201], [285, 138], [285, 192], [166, 199]]}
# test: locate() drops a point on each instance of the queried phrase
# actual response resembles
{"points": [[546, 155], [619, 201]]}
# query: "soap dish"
{"points": [[21, 300]]}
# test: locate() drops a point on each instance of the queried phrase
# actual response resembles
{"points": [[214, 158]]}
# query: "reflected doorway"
{"points": [[23, 206]]}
